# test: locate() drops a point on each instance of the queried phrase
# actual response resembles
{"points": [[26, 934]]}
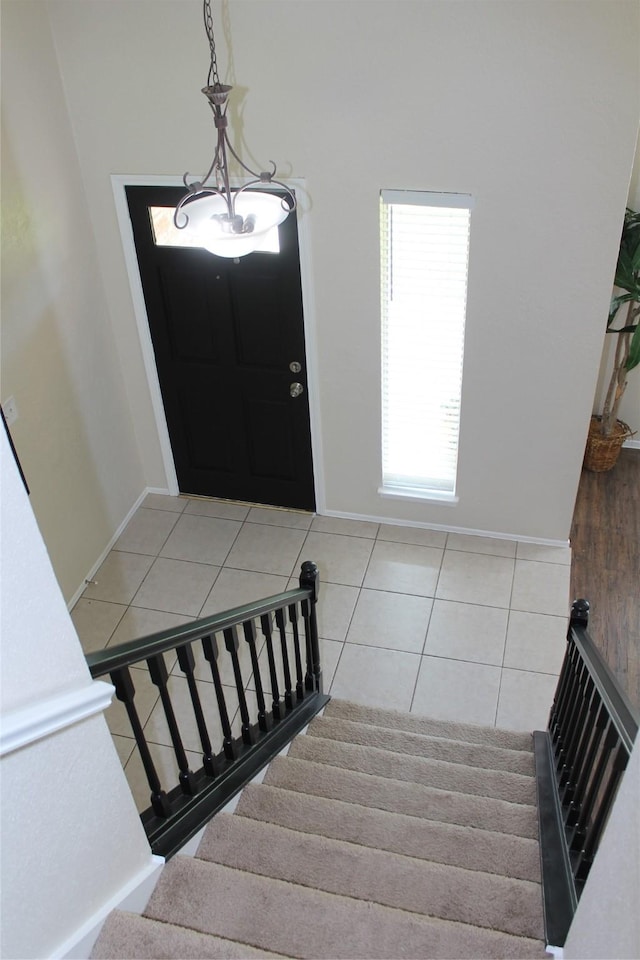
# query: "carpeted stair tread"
{"points": [[127, 936], [412, 799], [461, 846], [394, 719], [436, 773], [421, 745], [278, 916], [379, 835], [351, 870]]}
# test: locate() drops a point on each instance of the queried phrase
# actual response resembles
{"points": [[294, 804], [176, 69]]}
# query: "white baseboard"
{"points": [[103, 556], [133, 896], [557, 952], [493, 534], [445, 528], [634, 444]]}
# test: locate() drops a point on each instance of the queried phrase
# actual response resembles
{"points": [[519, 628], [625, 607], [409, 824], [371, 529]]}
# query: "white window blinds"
{"points": [[424, 258]]}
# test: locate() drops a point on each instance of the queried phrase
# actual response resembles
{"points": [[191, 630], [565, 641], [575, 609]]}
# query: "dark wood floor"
{"points": [[605, 568]]}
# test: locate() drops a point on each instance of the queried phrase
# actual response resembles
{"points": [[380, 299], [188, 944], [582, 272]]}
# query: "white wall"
{"points": [[74, 433], [607, 922], [71, 836], [532, 106]]}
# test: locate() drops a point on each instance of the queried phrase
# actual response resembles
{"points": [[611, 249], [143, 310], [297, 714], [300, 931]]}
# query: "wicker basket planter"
{"points": [[602, 452]]}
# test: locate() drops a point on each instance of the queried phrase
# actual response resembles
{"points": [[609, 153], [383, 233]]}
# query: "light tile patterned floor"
{"points": [[448, 625]]}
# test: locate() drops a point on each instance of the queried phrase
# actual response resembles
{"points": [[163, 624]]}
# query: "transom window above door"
{"points": [[166, 234]]}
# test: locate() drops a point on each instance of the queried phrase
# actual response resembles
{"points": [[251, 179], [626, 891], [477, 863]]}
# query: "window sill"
{"points": [[432, 496]]}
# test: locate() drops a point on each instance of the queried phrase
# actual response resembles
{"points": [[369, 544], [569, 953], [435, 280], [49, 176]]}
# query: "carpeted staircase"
{"points": [[379, 834]]}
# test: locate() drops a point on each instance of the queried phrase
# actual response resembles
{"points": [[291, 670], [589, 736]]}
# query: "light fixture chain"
{"points": [[214, 79]]}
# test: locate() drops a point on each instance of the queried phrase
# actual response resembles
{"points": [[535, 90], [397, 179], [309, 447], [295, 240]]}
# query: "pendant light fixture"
{"points": [[228, 221]]}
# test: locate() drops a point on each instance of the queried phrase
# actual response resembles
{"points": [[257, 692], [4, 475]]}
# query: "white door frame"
{"points": [[118, 183]]}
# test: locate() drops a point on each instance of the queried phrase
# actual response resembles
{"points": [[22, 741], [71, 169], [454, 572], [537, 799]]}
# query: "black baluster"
{"points": [[232, 643], [187, 663], [281, 624], [568, 680], [159, 676], [293, 619], [578, 745], [210, 648], [566, 708], [572, 727], [560, 694], [265, 624], [583, 775], [563, 698], [310, 580], [579, 837], [264, 720], [125, 692]]}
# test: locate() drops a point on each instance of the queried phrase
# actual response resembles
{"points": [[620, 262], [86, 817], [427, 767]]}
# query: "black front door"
{"points": [[228, 338]]}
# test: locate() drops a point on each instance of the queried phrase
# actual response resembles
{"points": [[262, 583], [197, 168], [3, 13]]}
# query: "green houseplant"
{"points": [[606, 432]]}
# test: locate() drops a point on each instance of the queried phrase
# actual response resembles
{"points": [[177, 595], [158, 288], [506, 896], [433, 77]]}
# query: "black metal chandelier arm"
{"points": [[222, 170], [194, 184], [195, 190], [265, 176], [277, 183]]}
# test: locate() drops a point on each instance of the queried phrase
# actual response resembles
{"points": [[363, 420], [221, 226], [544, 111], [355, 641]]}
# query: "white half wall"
{"points": [[71, 835], [531, 106], [607, 922]]}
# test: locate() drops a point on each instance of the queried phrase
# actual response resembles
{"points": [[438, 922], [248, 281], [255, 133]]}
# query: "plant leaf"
{"points": [[634, 351], [627, 275], [616, 303], [625, 261], [628, 265]]}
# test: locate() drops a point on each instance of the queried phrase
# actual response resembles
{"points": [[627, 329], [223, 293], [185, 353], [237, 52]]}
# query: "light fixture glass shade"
{"points": [[256, 214]]}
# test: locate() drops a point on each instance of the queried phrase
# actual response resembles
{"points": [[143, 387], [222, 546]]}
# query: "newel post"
{"points": [[579, 614], [310, 580]]}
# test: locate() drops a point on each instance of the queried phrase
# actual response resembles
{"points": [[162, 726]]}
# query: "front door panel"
{"points": [[224, 335]]}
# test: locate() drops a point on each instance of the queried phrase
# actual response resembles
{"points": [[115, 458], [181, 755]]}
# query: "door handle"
{"points": [[295, 389]]}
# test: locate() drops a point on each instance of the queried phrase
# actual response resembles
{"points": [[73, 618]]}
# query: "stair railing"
{"points": [[580, 760], [281, 635]]}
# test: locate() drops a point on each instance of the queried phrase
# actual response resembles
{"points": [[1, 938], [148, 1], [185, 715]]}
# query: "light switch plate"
{"points": [[10, 410]]}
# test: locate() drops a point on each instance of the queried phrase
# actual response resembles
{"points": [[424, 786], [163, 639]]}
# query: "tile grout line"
{"points": [[513, 578], [426, 634], [424, 644], [378, 538], [129, 605], [346, 633]]}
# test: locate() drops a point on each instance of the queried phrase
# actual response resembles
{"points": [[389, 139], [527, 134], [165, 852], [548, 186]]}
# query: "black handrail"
{"points": [[101, 662], [580, 760], [177, 813]]}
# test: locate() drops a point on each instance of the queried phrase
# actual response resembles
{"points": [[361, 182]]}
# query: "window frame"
{"points": [[441, 491]]}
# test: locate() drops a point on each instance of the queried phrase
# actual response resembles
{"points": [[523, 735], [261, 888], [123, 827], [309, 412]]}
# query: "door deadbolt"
{"points": [[296, 389], [295, 367]]}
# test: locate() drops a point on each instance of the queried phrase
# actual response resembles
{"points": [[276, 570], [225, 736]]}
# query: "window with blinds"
{"points": [[424, 258]]}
